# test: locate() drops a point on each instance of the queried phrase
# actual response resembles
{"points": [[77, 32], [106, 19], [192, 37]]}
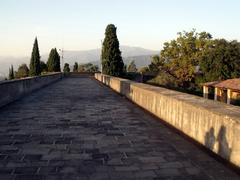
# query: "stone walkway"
{"points": [[79, 129]]}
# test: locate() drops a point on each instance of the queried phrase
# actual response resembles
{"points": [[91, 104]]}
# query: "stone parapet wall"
{"points": [[213, 124], [14, 89]]}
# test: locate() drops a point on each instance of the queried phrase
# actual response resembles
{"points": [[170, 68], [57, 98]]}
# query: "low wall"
{"points": [[213, 124], [79, 74], [14, 89]]}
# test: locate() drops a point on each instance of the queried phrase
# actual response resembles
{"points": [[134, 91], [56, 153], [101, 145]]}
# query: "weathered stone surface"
{"points": [[14, 89], [79, 129], [215, 125]]}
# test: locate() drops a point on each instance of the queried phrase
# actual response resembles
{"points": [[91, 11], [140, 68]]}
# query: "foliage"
{"points": [[75, 67], [164, 79], [11, 73], [81, 68], [35, 60], [156, 64], [53, 63], [132, 67], [66, 68], [23, 71], [221, 61], [144, 69], [43, 66], [112, 63], [89, 67], [194, 58], [181, 56]]}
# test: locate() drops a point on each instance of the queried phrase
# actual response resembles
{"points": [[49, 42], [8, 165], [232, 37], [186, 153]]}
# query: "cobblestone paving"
{"points": [[79, 129]]}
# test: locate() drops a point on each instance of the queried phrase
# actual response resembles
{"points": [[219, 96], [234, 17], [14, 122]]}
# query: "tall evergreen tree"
{"points": [[53, 63], [112, 63], [11, 73], [43, 66], [35, 60], [75, 67]]}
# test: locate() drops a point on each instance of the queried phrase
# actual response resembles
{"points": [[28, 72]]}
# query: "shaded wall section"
{"points": [[213, 124], [14, 89]]}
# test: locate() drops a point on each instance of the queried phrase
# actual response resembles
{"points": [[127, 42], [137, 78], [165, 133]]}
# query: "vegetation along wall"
{"points": [[213, 124]]}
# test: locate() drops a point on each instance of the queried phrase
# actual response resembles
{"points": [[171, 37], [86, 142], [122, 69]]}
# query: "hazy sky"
{"points": [[80, 24]]}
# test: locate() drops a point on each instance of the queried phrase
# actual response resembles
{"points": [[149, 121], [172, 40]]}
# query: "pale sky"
{"points": [[80, 24]]}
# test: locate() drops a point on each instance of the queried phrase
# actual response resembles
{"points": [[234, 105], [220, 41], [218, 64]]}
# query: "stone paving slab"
{"points": [[79, 129]]}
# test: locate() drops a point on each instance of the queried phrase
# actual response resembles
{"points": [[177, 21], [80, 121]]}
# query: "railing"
{"points": [[213, 124], [12, 90]]}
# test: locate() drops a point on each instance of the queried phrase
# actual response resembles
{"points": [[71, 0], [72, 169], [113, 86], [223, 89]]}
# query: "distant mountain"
{"points": [[94, 54], [128, 51], [141, 56], [140, 61]]}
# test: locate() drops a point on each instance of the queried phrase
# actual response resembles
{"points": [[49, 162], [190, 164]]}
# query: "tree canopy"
{"points": [[132, 67], [53, 63], [66, 68], [23, 71], [35, 60], [43, 66], [181, 56], [88, 67], [193, 58], [156, 64], [11, 73], [112, 63], [221, 61]]}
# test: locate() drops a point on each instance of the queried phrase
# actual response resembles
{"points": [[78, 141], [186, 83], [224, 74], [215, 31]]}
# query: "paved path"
{"points": [[78, 129]]}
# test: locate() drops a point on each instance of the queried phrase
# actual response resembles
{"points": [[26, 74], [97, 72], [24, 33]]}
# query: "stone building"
{"points": [[227, 91]]}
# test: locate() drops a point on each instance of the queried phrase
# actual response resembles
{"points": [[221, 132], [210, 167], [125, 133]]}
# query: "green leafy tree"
{"points": [[221, 61], [181, 56], [66, 68], [88, 67], [23, 71], [53, 63], [144, 69], [132, 67], [81, 68], [35, 69], [156, 65], [112, 63], [43, 66], [11, 73], [75, 67]]}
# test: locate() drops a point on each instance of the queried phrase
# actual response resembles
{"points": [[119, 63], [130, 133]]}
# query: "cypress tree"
{"points": [[53, 63], [75, 67], [112, 63], [35, 69], [11, 73], [43, 66]]}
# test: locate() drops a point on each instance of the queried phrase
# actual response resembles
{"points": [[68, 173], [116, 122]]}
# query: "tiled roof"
{"points": [[211, 83], [230, 84], [233, 84]]}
